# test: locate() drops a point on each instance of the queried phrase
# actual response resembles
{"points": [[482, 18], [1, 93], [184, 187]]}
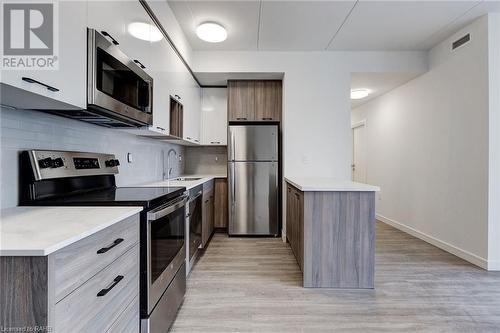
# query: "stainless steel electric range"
{"points": [[63, 178]]}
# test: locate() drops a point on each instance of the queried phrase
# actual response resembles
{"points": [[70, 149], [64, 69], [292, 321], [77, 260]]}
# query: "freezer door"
{"points": [[253, 198], [253, 143]]}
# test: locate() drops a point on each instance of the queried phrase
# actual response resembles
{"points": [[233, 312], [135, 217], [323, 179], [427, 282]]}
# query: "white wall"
{"points": [[316, 105], [494, 139], [427, 144], [22, 130]]}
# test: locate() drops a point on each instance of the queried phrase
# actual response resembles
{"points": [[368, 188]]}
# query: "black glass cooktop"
{"points": [[119, 196]]}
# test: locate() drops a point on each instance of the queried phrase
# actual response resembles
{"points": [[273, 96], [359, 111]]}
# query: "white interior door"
{"points": [[359, 154]]}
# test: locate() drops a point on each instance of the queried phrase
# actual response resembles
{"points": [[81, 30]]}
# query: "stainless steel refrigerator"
{"points": [[253, 180]]}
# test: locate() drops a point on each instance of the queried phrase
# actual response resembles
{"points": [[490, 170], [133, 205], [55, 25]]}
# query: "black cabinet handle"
{"points": [[139, 63], [30, 80], [103, 292], [196, 140], [106, 249], [187, 137], [215, 142], [242, 118], [160, 128], [268, 118], [114, 41]]}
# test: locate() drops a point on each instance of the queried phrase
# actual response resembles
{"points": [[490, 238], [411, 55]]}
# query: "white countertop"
{"points": [[323, 184], [182, 183], [40, 231]]}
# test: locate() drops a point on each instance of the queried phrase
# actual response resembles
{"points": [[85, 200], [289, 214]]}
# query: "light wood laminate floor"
{"points": [[254, 285]]}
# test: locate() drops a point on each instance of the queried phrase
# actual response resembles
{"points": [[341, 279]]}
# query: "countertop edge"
{"points": [[56, 247], [341, 188]]}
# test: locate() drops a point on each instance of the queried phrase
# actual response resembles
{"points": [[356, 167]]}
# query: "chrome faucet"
{"points": [[168, 164]]}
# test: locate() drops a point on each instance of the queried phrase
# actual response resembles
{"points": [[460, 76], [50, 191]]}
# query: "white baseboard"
{"points": [[494, 265], [470, 257]]}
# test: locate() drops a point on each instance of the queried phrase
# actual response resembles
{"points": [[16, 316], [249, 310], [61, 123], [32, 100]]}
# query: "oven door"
{"points": [[165, 247], [116, 83]]}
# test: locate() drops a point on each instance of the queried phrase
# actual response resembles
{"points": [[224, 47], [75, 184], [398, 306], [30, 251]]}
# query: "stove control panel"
{"points": [[86, 163], [61, 164]]}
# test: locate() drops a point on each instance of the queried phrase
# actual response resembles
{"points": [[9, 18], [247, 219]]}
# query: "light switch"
{"points": [[129, 157]]}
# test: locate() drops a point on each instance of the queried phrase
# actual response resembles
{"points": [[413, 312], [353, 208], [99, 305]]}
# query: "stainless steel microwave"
{"points": [[119, 91]]}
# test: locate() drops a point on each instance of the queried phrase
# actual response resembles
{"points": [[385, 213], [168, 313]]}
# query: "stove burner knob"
{"points": [[45, 163], [57, 163], [117, 163]]}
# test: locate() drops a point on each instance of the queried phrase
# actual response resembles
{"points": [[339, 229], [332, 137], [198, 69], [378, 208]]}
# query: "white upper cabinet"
{"points": [[192, 109], [113, 19], [214, 116], [66, 84]]}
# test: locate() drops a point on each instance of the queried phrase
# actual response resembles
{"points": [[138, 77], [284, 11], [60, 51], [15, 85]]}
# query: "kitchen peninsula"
{"points": [[330, 225]]}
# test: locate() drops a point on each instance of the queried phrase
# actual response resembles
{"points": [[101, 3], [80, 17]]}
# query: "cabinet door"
{"points": [[220, 203], [191, 99], [268, 100], [241, 100], [214, 116], [211, 216], [118, 27], [70, 79], [289, 215], [161, 70]]}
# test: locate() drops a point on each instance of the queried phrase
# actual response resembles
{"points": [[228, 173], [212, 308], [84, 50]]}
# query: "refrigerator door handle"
{"points": [[232, 146], [233, 186]]}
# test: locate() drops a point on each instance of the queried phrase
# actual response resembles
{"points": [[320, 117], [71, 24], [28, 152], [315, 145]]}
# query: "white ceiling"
{"points": [[329, 24], [377, 83]]}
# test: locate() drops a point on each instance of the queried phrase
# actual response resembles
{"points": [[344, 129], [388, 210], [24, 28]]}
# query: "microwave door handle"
{"points": [[155, 215]]}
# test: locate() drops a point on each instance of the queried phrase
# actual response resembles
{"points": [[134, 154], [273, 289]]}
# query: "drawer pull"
{"points": [[114, 41], [215, 142], [139, 63], [241, 118], [103, 292], [30, 80], [267, 118], [106, 249]]}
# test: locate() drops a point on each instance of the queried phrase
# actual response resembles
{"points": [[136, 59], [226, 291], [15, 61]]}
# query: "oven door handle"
{"points": [[158, 214]]}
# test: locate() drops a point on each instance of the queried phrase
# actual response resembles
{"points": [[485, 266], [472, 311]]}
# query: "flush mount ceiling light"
{"points": [[211, 32], [359, 93], [145, 31]]}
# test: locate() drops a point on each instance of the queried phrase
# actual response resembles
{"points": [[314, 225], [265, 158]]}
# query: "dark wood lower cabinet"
{"points": [[208, 213], [295, 223], [220, 203], [332, 235]]}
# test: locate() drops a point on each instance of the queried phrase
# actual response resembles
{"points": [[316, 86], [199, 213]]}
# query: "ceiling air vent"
{"points": [[460, 42]]}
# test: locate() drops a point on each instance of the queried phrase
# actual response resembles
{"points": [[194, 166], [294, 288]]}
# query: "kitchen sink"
{"points": [[187, 179]]}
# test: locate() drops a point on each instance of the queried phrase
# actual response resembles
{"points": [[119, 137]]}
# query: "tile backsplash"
{"points": [[206, 160], [23, 130]]}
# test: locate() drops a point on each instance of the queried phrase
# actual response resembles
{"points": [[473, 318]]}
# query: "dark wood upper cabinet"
{"points": [[267, 100], [241, 100], [250, 100]]}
